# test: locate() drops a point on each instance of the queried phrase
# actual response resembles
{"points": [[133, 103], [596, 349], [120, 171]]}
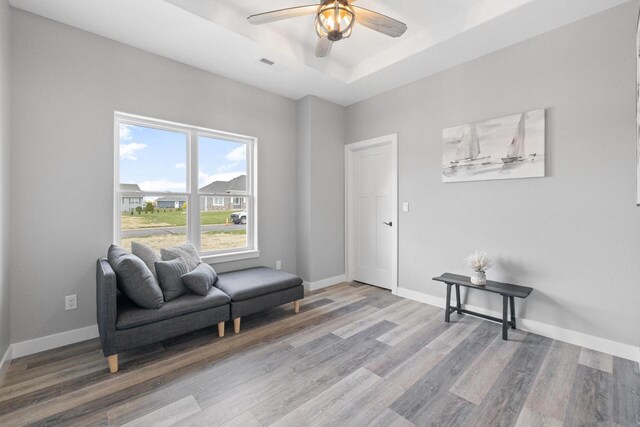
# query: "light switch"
{"points": [[405, 206]]}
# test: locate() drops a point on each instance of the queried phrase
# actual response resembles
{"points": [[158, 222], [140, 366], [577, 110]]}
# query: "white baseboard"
{"points": [[4, 363], [48, 342], [626, 351], [324, 283]]}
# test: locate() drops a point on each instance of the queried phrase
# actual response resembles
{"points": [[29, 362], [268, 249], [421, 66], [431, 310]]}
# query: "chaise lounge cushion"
{"points": [[253, 282], [130, 315]]}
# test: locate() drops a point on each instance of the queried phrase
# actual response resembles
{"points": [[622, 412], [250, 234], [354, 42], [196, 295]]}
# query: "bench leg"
{"points": [[458, 300], [447, 313], [505, 320], [296, 306], [512, 303], [221, 329], [113, 363], [236, 325]]}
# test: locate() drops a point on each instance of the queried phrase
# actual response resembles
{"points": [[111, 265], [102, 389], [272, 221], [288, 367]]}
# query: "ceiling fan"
{"points": [[334, 21]]}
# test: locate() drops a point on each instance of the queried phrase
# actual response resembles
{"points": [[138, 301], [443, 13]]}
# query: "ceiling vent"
{"points": [[266, 61]]}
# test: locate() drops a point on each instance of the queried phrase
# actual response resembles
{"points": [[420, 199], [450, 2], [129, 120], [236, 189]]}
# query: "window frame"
{"points": [[192, 194]]}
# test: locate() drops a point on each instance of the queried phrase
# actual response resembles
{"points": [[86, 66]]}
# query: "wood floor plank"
{"points": [[330, 401], [461, 329], [389, 418], [477, 380], [532, 418], [626, 392], [551, 390], [591, 398], [399, 353], [356, 352], [246, 419], [417, 402], [365, 322], [596, 360], [168, 415], [310, 334], [409, 324], [366, 407], [503, 403]]}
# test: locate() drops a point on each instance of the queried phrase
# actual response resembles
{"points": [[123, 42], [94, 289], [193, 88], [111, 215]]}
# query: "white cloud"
{"points": [[128, 151], [237, 154], [125, 132], [180, 166], [162, 185], [204, 178]]}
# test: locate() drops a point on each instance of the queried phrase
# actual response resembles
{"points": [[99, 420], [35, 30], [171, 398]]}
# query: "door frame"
{"points": [[349, 150]]}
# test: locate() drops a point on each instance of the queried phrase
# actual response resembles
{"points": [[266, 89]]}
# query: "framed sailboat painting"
{"points": [[504, 148]]}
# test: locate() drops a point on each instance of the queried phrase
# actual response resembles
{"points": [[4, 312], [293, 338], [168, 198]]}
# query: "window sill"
{"points": [[232, 256]]}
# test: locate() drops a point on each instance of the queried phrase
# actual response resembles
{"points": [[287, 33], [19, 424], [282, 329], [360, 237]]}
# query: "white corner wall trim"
{"points": [[592, 342], [4, 363], [324, 283], [49, 342]]}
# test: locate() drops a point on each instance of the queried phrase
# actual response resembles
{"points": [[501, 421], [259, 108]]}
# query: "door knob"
{"points": [[390, 224]]}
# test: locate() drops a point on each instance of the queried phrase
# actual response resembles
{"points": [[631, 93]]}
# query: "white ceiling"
{"points": [[214, 35]]}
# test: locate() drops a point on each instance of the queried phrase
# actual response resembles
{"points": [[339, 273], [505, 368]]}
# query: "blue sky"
{"points": [[156, 159]]}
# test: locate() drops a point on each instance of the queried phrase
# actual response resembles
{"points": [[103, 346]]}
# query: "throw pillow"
{"points": [[200, 279], [186, 252], [134, 278], [146, 254], [169, 273]]}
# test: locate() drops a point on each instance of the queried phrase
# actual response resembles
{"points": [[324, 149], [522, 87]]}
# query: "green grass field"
{"points": [[169, 218]]}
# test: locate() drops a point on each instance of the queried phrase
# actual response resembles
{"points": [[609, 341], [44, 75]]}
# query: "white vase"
{"points": [[479, 278]]}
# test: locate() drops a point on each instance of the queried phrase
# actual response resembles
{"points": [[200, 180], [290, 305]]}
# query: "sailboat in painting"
{"points": [[468, 150], [516, 148]]}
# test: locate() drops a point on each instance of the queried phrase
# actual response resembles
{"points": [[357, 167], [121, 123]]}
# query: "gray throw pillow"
{"points": [[134, 278], [186, 252], [146, 254], [200, 279], [169, 273]]}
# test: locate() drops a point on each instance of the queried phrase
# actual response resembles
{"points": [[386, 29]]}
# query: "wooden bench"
{"points": [[508, 291]]}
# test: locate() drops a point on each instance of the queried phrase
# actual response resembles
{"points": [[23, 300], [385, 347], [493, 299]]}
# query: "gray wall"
{"points": [[574, 235], [66, 84], [321, 136], [5, 33]]}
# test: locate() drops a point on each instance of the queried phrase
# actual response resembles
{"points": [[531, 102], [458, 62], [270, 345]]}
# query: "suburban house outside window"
{"points": [[176, 183]]}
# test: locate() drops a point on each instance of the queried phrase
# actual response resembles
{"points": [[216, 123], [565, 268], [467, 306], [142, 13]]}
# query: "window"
{"points": [[176, 183]]}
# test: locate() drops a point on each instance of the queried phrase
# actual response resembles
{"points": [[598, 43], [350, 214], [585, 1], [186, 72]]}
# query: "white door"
{"points": [[372, 217]]}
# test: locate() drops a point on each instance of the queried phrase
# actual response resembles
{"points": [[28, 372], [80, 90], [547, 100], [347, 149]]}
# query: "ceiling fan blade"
{"points": [[323, 48], [277, 15], [379, 22]]}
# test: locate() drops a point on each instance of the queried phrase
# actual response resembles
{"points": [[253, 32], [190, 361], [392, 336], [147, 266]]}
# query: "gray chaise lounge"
{"points": [[123, 325]]}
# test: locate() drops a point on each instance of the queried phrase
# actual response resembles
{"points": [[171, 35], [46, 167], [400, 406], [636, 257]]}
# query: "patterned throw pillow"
{"points": [[186, 252], [169, 274], [200, 279], [134, 278]]}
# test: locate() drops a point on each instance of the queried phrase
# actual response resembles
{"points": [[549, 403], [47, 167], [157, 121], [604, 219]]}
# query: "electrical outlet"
{"points": [[278, 265], [70, 302]]}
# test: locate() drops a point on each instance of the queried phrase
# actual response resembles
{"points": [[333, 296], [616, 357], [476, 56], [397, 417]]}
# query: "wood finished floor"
{"points": [[355, 355]]}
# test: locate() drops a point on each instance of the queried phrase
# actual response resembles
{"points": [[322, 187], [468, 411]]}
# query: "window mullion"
{"points": [[193, 227]]}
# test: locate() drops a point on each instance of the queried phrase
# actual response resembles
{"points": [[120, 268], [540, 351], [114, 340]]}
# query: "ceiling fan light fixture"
{"points": [[334, 20]]}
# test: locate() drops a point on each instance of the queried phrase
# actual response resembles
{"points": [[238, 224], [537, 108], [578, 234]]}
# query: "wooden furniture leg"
{"points": [[458, 300], [505, 320], [221, 329], [447, 310], [113, 363], [296, 306], [236, 325], [512, 303]]}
